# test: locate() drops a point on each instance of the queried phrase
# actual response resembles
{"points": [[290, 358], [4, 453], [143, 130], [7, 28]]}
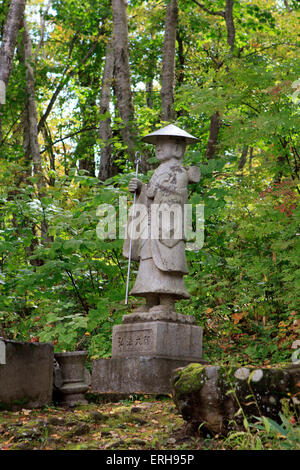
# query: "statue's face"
{"points": [[167, 148]]}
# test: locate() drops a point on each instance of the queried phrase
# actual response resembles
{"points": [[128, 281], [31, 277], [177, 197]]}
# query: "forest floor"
{"points": [[147, 424]]}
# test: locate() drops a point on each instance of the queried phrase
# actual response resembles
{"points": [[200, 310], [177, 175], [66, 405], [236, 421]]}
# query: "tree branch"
{"points": [[287, 6], [81, 300], [59, 86], [84, 129], [42, 34], [207, 10], [65, 79]]}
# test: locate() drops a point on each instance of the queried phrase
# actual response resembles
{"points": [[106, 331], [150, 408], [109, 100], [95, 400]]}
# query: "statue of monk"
{"points": [[161, 253]]}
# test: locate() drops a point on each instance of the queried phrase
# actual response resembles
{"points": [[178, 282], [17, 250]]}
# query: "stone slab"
{"points": [[26, 377], [158, 339], [144, 374]]}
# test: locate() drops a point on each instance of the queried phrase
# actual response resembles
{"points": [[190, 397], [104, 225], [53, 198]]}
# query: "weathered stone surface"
{"points": [[26, 375], [144, 355], [173, 317], [2, 352], [202, 394], [71, 378], [156, 226], [158, 339], [142, 374]]}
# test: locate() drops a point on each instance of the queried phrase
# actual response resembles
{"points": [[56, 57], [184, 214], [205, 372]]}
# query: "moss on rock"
{"points": [[189, 378], [217, 396]]}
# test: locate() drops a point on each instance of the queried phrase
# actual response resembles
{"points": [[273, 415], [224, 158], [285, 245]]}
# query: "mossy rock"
{"points": [[216, 398]]}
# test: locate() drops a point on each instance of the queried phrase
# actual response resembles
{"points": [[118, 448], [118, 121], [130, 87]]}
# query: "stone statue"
{"points": [[162, 262]]}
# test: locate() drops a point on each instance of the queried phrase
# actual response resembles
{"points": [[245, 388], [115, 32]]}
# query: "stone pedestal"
{"points": [[144, 354], [71, 379], [157, 339]]}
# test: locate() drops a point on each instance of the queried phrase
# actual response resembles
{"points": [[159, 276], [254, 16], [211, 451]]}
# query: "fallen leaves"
{"points": [[62, 429], [237, 317]]}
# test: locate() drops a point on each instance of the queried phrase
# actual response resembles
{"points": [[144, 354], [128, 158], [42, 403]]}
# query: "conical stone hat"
{"points": [[170, 131]]}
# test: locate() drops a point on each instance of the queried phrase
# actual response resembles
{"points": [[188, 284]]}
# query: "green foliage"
{"points": [[68, 286], [75, 290], [265, 433]]}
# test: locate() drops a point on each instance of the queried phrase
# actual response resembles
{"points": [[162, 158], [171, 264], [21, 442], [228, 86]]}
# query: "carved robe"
{"points": [[161, 256]]}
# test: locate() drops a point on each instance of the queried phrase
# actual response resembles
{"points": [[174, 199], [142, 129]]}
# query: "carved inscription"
{"points": [[137, 340]]}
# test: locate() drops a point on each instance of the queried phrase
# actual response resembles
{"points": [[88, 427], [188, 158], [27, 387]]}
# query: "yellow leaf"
{"points": [[209, 310]]}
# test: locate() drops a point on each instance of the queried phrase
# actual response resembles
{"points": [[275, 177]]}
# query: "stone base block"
{"points": [[158, 339], [26, 374], [143, 374]]}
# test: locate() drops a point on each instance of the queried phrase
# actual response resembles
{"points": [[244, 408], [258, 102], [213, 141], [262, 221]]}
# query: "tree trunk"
{"points": [[49, 145], [122, 74], [215, 124], [243, 157], [149, 91], [181, 59], [30, 143], [230, 24], [87, 163], [168, 62], [105, 131], [287, 6], [8, 44], [85, 149], [250, 158], [9, 39]]}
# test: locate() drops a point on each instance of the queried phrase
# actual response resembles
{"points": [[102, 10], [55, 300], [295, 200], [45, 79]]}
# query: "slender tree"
{"points": [[181, 57], [122, 73], [30, 126], [30, 140], [168, 62], [214, 127], [9, 40], [228, 15], [105, 131], [243, 157], [215, 120], [287, 6]]}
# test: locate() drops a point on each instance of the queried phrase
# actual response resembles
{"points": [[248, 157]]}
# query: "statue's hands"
{"points": [[134, 185]]}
